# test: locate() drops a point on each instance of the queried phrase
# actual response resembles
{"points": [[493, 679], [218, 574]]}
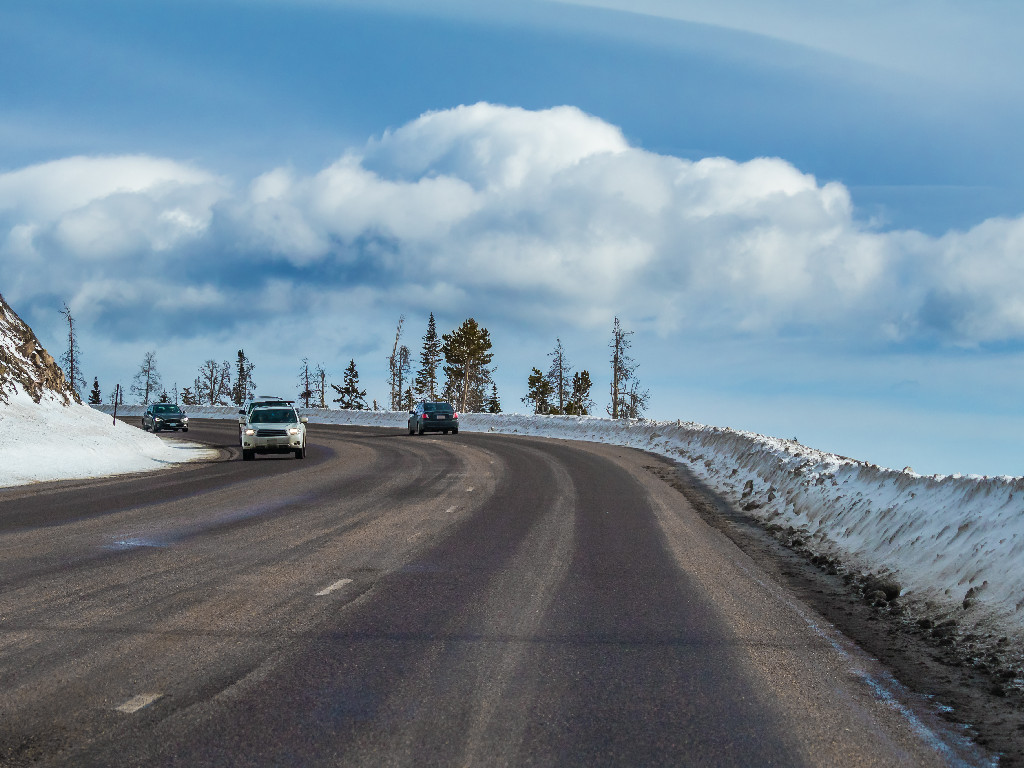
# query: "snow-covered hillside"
{"points": [[953, 544], [49, 435]]}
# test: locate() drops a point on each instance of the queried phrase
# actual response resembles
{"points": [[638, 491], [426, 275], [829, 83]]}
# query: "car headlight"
{"points": [[158, 419], [293, 431], [184, 418], [250, 431]]}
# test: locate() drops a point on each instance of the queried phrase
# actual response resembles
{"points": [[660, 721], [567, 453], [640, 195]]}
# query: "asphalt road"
{"points": [[469, 600]]}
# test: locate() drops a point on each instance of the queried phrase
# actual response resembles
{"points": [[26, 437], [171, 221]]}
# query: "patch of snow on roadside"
{"points": [[51, 441]]}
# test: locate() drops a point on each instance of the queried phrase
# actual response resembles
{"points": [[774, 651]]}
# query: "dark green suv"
{"points": [[433, 417]]}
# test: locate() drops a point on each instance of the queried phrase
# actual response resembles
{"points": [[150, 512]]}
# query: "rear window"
{"points": [[438, 408], [273, 416]]}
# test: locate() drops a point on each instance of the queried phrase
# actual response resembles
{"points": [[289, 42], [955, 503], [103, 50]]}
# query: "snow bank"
{"points": [[954, 543], [51, 441]]}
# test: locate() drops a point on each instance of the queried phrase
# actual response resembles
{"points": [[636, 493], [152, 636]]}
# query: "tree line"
{"points": [[456, 367]]}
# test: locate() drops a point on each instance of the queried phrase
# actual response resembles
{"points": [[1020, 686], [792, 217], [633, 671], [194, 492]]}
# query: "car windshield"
{"points": [[165, 409], [267, 403], [438, 408], [273, 416]]}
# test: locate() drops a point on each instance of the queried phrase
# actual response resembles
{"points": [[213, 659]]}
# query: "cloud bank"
{"points": [[538, 215]]}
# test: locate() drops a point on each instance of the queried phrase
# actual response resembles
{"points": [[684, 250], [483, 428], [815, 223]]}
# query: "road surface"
{"points": [[460, 600]]}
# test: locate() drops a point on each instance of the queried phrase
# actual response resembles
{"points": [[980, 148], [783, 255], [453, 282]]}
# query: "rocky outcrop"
{"points": [[25, 366]]}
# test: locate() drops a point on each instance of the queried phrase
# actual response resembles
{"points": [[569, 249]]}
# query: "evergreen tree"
{"points": [[187, 398], [95, 396], [72, 358], [164, 397], [305, 383], [117, 395], [580, 403], [560, 376], [539, 392], [493, 403], [351, 397], [467, 354], [244, 387], [147, 380], [430, 360], [628, 400]]}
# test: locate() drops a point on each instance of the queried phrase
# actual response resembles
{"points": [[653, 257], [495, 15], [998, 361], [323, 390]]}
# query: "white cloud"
{"points": [[537, 215]]}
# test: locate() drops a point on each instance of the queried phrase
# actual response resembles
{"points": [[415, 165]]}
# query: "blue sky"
{"points": [[809, 216]]}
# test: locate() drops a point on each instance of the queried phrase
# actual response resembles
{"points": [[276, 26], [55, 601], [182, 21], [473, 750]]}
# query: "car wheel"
{"points": [[444, 431], [155, 429], [411, 431], [419, 429], [184, 429], [455, 431], [300, 453], [248, 455], [144, 427]]}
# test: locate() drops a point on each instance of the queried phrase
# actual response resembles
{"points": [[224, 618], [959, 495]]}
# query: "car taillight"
{"points": [[455, 416], [425, 416]]}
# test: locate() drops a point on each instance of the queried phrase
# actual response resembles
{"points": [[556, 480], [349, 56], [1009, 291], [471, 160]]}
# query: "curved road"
{"points": [[470, 600]]}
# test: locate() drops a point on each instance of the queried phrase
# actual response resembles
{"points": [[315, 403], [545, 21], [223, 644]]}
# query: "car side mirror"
{"points": [[303, 420]]}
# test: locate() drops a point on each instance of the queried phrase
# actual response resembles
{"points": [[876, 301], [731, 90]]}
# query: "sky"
{"points": [[811, 217]]}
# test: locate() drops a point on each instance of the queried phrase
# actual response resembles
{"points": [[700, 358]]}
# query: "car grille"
{"points": [[271, 433]]}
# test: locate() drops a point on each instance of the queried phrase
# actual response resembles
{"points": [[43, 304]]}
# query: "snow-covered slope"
{"points": [[954, 544], [49, 435]]}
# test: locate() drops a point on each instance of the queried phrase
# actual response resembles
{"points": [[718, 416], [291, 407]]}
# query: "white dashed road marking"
{"points": [[135, 703], [336, 585]]}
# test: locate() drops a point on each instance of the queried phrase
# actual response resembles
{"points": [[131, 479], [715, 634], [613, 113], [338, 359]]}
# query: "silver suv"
{"points": [[274, 429]]}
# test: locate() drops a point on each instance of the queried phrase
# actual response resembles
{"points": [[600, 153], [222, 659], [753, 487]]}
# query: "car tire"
{"points": [[411, 431], [300, 453], [248, 455], [144, 427], [419, 429], [184, 429], [155, 429], [444, 431], [455, 431]]}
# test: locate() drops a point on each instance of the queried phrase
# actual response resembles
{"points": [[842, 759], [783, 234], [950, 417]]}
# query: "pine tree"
{"points": [[539, 392], [560, 376], [244, 387], [147, 380], [72, 358], [467, 354], [95, 396], [430, 360], [493, 403], [187, 398], [580, 403], [305, 383], [351, 397], [628, 400]]}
